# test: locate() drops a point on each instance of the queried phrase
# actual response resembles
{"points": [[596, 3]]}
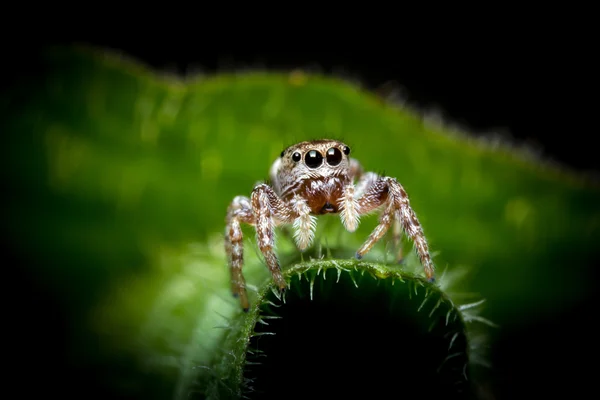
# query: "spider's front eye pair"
{"points": [[314, 159]]}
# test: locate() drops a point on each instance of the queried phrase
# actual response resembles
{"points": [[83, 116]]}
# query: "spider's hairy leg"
{"points": [[268, 207], [239, 211], [304, 224], [389, 193]]}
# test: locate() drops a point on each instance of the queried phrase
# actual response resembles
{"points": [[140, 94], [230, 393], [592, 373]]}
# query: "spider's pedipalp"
{"points": [[348, 209], [304, 224]]}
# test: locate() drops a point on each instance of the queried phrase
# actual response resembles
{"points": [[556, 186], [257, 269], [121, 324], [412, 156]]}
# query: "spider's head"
{"points": [[310, 160]]}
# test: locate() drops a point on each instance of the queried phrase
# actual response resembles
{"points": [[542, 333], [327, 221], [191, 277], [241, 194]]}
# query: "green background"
{"points": [[117, 181]]}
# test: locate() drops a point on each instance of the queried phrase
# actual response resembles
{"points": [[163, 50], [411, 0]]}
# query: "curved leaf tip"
{"points": [[346, 328]]}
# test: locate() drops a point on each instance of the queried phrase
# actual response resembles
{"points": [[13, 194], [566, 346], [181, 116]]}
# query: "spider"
{"points": [[314, 178]]}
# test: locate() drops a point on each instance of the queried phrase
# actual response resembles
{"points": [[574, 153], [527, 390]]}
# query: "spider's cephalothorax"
{"points": [[313, 178]]}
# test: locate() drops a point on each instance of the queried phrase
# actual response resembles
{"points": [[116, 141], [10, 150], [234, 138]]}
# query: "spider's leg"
{"points": [[389, 193], [268, 207], [349, 208], [239, 211]]}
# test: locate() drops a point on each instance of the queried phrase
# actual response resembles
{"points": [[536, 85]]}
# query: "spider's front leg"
{"points": [[239, 211], [269, 209], [385, 191]]}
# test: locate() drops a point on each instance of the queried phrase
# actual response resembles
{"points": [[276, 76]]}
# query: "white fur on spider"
{"points": [[305, 224], [326, 186], [348, 209]]}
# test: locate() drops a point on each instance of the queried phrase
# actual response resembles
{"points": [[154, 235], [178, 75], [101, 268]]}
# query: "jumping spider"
{"points": [[313, 178]]}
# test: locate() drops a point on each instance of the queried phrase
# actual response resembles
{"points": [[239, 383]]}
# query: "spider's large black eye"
{"points": [[296, 156], [313, 159], [334, 156], [346, 150]]}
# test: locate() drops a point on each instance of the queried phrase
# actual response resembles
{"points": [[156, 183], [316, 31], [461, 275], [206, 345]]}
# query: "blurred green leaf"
{"points": [[119, 180]]}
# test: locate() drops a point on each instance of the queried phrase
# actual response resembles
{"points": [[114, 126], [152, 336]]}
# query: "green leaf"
{"points": [[120, 180], [352, 326]]}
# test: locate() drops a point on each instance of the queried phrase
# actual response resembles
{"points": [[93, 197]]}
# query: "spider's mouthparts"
{"points": [[328, 208]]}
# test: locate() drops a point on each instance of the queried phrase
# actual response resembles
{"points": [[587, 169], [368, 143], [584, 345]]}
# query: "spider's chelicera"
{"points": [[313, 178]]}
